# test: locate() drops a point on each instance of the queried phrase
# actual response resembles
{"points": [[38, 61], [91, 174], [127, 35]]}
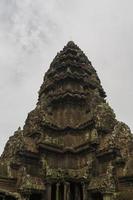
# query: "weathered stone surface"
{"points": [[71, 146]]}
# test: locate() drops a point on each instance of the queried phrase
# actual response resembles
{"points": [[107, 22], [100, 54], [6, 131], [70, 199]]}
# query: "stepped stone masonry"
{"points": [[71, 147]]}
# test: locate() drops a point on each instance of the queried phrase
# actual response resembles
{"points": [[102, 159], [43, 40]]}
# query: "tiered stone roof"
{"points": [[71, 139]]}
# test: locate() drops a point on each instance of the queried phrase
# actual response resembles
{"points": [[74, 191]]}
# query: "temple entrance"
{"points": [[35, 196], [57, 191], [97, 196], [76, 191], [66, 191]]}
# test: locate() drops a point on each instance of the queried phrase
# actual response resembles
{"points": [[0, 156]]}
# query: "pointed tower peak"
{"points": [[70, 67], [71, 44], [70, 53]]}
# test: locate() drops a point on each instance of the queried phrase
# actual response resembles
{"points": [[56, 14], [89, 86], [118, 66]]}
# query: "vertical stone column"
{"points": [[108, 196], [84, 191], [49, 191], [57, 191], [66, 191]]}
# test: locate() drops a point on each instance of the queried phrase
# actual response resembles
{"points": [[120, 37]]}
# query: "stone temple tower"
{"points": [[71, 147]]}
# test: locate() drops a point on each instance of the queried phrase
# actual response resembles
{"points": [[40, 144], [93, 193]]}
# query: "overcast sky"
{"points": [[32, 32]]}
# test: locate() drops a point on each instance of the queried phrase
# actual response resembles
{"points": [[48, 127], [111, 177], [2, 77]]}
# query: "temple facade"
{"points": [[71, 147]]}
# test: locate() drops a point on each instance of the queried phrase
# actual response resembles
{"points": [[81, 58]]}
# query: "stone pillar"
{"points": [[108, 196], [48, 191], [66, 191], [57, 191], [84, 191]]}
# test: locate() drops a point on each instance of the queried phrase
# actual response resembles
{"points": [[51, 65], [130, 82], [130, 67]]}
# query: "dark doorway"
{"points": [[81, 191], [10, 198], [53, 192], [1, 197], [61, 191], [35, 196], [4, 197], [76, 191], [72, 191], [97, 196]]}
